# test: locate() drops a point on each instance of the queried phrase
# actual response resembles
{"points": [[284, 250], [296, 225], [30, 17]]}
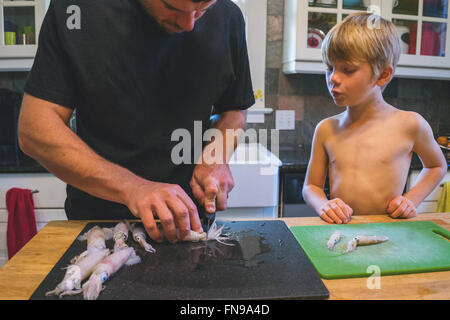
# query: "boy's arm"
{"points": [[334, 211], [433, 161], [317, 171]]}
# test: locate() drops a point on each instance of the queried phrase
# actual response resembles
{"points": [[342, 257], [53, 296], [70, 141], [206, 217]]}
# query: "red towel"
{"points": [[21, 219]]}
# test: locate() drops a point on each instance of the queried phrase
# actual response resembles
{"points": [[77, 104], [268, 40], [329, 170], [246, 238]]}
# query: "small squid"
{"points": [[96, 240], [105, 269], [77, 272], [214, 233], [334, 239], [363, 241], [120, 235], [139, 236], [193, 236]]}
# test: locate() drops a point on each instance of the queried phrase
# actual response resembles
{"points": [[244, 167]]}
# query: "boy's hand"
{"points": [[401, 207], [336, 211]]}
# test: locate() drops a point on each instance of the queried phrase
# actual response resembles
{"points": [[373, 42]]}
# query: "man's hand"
{"points": [[401, 207], [336, 211], [211, 184], [170, 204]]}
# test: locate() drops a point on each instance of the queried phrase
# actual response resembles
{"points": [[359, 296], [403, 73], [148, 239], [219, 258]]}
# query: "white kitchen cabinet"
{"points": [[20, 25], [430, 202], [422, 25], [255, 15], [48, 202]]}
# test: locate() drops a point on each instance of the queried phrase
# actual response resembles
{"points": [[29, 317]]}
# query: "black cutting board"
{"points": [[266, 262]]}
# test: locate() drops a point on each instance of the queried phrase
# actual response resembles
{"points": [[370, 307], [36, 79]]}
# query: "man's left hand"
{"points": [[211, 184]]}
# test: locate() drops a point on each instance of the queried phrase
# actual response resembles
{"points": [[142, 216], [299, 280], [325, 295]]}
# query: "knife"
{"points": [[208, 219]]}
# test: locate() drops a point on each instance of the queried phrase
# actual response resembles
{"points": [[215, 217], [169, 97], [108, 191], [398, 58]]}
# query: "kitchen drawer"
{"points": [[52, 191]]}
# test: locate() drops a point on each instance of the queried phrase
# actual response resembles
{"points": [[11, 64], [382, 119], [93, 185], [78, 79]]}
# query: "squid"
{"points": [[105, 269], [193, 236], [139, 236], [96, 237], [96, 240], [120, 236], [364, 240], [214, 233], [334, 239], [77, 272]]}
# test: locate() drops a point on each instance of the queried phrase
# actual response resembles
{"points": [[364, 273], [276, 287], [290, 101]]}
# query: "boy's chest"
{"points": [[365, 147]]}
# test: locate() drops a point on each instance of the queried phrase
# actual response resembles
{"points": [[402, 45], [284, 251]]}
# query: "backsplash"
{"points": [[307, 94]]}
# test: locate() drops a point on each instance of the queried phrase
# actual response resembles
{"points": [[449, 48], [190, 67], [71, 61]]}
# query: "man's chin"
{"points": [[171, 29]]}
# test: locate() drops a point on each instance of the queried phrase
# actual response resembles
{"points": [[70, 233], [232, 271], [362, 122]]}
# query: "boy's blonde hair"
{"points": [[363, 36]]}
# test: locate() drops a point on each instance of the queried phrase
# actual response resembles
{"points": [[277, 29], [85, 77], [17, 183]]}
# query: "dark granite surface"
{"points": [[265, 262]]}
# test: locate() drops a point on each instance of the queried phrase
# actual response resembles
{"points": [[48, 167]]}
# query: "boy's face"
{"points": [[176, 16], [350, 83]]}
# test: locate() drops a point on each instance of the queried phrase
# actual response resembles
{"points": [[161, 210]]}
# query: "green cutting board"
{"points": [[413, 247]]}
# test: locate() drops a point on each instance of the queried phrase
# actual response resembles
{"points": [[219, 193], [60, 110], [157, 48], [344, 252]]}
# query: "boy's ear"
{"points": [[385, 76]]}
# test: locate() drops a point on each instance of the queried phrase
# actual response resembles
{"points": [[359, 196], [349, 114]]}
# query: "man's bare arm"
{"points": [[44, 135]]}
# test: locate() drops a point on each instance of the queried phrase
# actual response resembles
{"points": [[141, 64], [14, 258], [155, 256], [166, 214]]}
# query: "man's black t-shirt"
{"points": [[132, 84]]}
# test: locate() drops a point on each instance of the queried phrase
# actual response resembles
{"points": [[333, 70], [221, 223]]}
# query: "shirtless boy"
{"points": [[367, 149]]}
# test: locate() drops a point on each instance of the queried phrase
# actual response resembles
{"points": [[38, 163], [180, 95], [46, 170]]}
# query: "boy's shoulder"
{"points": [[410, 122], [331, 121], [327, 126], [411, 115], [410, 119]]}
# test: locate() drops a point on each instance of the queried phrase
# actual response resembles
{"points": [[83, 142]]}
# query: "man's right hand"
{"points": [[170, 204]]}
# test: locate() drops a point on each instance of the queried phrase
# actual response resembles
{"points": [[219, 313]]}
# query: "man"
{"points": [[135, 71]]}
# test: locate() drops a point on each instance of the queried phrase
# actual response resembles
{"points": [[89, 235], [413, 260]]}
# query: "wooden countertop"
{"points": [[20, 277]]}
